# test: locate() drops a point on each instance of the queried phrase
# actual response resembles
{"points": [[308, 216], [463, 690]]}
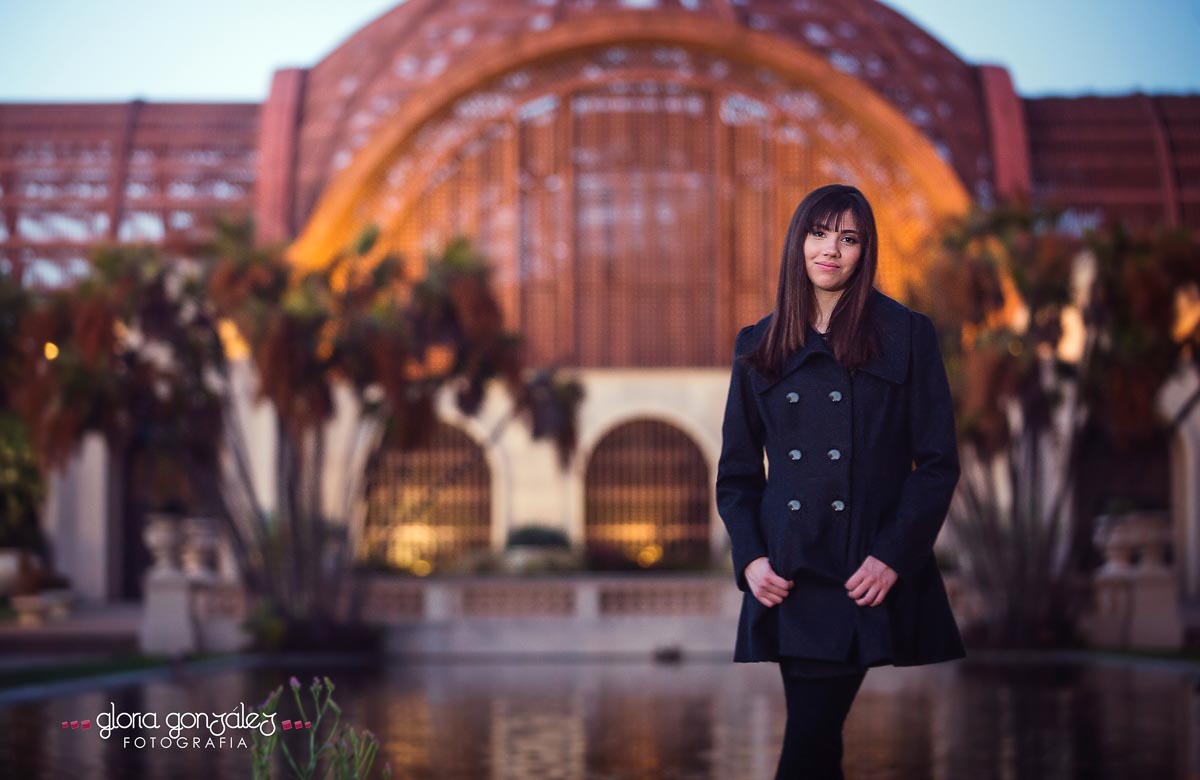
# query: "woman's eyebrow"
{"points": [[826, 227]]}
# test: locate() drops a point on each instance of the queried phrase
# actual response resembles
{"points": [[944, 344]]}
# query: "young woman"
{"points": [[845, 391]]}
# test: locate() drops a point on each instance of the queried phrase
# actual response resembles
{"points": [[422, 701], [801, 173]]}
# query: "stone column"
{"points": [[168, 625], [1185, 488]]}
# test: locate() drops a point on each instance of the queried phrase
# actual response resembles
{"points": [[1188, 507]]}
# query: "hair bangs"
{"points": [[830, 212]]}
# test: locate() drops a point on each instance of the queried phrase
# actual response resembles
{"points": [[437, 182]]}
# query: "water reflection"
{"points": [[640, 720]]}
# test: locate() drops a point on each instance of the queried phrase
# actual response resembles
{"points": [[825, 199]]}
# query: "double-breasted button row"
{"points": [[837, 505], [833, 454], [794, 398]]}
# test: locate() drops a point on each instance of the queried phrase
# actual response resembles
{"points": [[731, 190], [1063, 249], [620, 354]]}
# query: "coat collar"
{"points": [[891, 364]]}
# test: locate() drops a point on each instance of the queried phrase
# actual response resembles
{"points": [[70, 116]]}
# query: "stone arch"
{"points": [[430, 508], [647, 499]]}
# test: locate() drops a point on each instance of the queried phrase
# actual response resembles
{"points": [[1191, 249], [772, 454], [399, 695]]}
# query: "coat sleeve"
{"points": [[741, 477], [906, 542]]}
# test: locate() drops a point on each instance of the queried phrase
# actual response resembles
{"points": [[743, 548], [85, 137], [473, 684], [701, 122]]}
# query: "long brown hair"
{"points": [[851, 333]]}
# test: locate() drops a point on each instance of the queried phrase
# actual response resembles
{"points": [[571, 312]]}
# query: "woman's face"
{"points": [[830, 256]]}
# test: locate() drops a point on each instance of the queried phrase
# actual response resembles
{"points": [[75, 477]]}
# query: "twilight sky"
{"points": [[102, 50]]}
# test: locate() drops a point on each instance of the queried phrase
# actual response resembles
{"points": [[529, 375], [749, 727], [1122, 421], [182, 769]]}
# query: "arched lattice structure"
{"points": [[428, 507], [632, 184], [73, 176], [646, 498], [396, 59]]}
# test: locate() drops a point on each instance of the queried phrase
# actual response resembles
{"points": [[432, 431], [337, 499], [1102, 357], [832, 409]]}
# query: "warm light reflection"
{"points": [[51, 350], [231, 339], [1187, 311], [1070, 346], [1014, 313]]}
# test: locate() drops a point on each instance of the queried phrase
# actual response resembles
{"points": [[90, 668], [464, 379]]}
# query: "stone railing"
{"points": [[191, 601], [558, 614], [492, 614], [1135, 592], [563, 614], [389, 600]]}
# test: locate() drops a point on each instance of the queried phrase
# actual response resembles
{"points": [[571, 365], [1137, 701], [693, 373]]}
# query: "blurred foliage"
{"points": [[22, 488], [1050, 340], [130, 353], [142, 351]]}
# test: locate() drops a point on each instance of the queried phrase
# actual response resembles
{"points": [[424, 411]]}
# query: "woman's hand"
{"points": [[768, 587], [870, 583]]}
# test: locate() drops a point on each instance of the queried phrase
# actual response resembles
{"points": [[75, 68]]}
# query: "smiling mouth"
{"points": [[828, 265]]}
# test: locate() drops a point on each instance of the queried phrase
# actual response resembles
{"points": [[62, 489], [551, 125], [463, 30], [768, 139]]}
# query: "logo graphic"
{"points": [[218, 729]]}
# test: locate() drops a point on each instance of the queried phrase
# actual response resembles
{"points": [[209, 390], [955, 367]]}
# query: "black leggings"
{"points": [[816, 710]]}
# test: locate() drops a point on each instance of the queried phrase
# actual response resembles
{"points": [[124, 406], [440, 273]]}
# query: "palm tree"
{"points": [[139, 351], [394, 335], [1051, 341]]}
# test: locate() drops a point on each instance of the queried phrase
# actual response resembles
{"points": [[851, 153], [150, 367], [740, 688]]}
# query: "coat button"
{"points": [[834, 454], [835, 396], [794, 454], [793, 505], [793, 398], [839, 506]]}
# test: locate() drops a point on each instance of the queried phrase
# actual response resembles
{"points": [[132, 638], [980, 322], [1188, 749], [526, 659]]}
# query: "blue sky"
{"points": [[76, 50]]}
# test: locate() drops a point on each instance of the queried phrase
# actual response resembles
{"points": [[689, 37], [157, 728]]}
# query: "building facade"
{"points": [[627, 168]]}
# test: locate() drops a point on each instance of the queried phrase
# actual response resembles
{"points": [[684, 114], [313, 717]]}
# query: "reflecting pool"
{"points": [[644, 720]]}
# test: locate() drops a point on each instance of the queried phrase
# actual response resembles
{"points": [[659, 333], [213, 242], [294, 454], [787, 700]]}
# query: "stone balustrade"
{"points": [[191, 606], [191, 603], [1135, 592]]}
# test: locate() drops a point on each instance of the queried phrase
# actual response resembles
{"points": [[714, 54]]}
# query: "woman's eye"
{"points": [[850, 239], [817, 233]]}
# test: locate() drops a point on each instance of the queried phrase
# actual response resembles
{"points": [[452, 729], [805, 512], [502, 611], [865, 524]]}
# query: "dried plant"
{"points": [[1049, 340], [142, 355]]}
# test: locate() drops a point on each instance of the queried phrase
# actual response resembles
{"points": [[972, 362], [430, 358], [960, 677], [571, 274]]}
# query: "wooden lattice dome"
{"points": [[629, 169]]}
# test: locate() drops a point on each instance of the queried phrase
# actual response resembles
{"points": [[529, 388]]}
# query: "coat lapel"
{"points": [[890, 364]]}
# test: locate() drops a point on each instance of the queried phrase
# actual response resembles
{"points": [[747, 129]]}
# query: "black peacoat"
{"points": [[860, 463]]}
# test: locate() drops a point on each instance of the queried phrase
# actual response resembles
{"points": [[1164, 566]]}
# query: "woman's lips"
{"points": [[828, 266]]}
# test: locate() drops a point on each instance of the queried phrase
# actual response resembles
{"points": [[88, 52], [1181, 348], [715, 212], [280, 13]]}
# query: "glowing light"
{"points": [[649, 555], [1074, 334], [50, 350], [231, 339], [411, 546], [1187, 311]]}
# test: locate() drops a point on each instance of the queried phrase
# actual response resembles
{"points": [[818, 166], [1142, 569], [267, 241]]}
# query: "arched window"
{"points": [[430, 507], [646, 499]]}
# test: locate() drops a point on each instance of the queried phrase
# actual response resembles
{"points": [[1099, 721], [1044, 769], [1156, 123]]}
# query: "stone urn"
{"points": [[163, 536], [1141, 539], [58, 602], [10, 567], [32, 609], [199, 548]]}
